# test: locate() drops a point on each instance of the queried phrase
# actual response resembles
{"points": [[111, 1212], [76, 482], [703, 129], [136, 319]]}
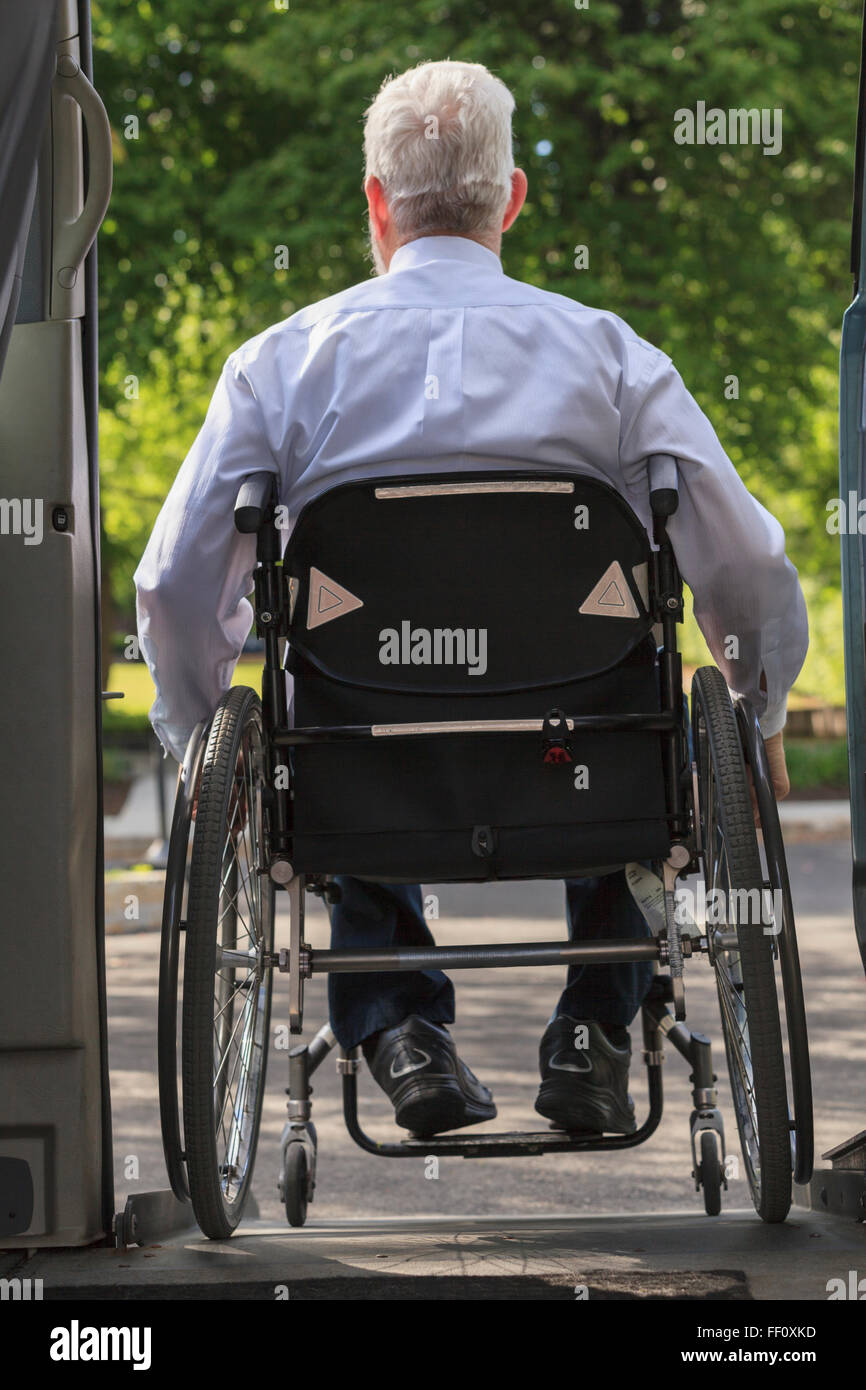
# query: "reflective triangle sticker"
{"points": [[611, 596], [328, 600]]}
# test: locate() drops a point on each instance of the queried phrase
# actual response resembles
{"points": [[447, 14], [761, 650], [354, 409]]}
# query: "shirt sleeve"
{"points": [[730, 550], [192, 582]]}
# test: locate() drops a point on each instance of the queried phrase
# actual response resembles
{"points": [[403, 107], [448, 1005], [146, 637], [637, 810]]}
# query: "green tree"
{"points": [[249, 139]]}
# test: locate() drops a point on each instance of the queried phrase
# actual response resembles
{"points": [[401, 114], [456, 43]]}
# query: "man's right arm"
{"points": [[192, 582]]}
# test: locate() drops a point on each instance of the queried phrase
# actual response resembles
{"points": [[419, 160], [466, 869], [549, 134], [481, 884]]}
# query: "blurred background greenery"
{"points": [[237, 130]]}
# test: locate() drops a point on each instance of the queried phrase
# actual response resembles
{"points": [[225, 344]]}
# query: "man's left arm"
{"points": [[730, 550], [192, 582]]}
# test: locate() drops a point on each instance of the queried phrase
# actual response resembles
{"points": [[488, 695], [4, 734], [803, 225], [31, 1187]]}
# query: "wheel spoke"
{"points": [[238, 1044], [239, 1051], [231, 846], [227, 1048], [235, 992]]}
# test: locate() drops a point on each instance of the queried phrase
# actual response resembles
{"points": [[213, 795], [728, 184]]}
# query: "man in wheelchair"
{"points": [[443, 365]]}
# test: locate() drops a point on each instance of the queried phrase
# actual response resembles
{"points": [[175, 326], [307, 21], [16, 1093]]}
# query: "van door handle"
{"points": [[73, 239]]}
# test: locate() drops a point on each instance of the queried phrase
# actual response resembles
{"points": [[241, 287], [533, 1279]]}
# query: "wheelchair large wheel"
{"points": [[227, 979], [741, 951]]}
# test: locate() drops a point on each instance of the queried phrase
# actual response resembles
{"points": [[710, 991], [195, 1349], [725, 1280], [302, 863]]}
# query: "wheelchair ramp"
{"points": [[672, 1256]]}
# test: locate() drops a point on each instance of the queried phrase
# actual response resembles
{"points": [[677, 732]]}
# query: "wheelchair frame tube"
{"points": [[271, 613], [669, 597], [604, 723], [365, 959]]}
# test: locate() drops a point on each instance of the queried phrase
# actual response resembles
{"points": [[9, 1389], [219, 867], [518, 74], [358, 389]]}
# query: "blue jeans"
{"points": [[391, 915]]}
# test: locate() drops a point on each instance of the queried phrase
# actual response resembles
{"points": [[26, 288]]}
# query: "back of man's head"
{"points": [[438, 138]]}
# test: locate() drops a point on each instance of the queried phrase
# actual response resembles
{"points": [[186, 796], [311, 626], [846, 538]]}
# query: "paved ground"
{"points": [[500, 1017], [666, 1255]]}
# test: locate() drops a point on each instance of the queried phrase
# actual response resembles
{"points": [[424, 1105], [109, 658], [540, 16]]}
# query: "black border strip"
{"points": [[90, 369]]}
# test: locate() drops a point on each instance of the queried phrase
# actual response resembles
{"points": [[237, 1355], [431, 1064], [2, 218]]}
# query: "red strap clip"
{"points": [[558, 754], [554, 738]]}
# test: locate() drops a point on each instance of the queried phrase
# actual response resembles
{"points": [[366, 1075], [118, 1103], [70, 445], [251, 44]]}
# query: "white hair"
{"points": [[438, 138]]}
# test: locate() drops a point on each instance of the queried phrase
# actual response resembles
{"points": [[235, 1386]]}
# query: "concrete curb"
{"points": [[821, 818]]}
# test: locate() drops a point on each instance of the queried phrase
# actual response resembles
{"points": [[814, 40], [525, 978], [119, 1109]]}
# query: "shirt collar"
{"points": [[443, 248]]}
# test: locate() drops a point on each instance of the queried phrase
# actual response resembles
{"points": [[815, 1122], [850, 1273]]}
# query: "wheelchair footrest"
{"points": [[511, 1144]]}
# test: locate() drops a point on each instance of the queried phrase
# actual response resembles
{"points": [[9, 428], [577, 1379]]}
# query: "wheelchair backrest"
{"points": [[437, 627], [467, 585]]}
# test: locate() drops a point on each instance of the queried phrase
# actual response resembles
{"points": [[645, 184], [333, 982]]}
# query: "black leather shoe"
{"points": [[417, 1066], [584, 1088]]}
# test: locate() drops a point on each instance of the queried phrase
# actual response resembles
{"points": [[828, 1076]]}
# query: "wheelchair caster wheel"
{"points": [[710, 1173], [295, 1183]]}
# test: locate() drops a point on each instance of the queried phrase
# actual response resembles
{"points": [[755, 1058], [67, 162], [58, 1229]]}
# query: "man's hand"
{"points": [[778, 767], [778, 772]]}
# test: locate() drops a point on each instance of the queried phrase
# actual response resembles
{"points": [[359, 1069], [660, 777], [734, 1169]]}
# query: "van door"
{"points": [[55, 1142], [852, 488]]}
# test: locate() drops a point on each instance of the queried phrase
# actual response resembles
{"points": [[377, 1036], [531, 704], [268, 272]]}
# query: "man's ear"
{"points": [[380, 217], [519, 186]]}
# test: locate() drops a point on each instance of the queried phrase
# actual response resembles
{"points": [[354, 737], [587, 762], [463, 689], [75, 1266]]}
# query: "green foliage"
{"points": [[129, 715], [734, 262], [817, 763]]}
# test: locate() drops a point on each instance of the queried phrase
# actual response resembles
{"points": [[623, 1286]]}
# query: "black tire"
{"points": [[789, 955], [226, 1008], [710, 1173], [174, 900], [745, 971], [295, 1190]]}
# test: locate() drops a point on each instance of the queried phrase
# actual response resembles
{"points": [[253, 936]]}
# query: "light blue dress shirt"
{"points": [[445, 363]]}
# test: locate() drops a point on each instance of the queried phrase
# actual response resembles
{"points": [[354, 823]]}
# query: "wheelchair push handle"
{"points": [[256, 495], [663, 484]]}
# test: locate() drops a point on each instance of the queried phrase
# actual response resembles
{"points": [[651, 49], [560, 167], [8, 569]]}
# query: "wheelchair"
{"points": [[558, 745]]}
